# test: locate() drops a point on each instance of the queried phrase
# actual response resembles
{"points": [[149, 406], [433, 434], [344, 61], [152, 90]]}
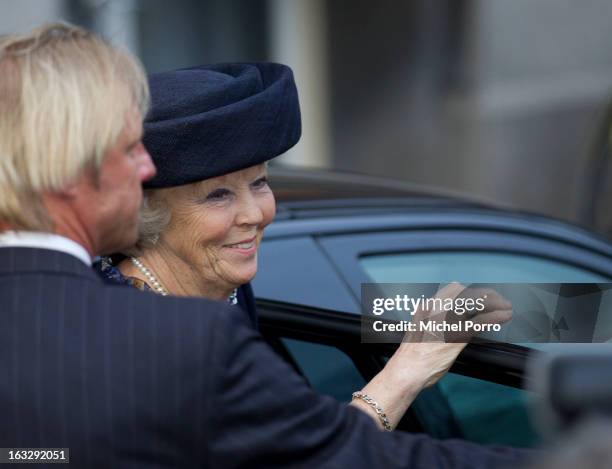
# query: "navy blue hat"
{"points": [[215, 119]]}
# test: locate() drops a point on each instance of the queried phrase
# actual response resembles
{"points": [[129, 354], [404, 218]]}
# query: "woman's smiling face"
{"points": [[216, 226]]}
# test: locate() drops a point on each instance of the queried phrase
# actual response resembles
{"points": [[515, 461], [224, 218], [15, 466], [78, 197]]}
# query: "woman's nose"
{"points": [[250, 213]]}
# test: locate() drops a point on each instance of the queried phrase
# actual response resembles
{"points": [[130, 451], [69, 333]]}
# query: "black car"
{"points": [[334, 232]]}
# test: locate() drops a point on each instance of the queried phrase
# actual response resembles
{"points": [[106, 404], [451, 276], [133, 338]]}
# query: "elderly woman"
{"points": [[210, 132]]}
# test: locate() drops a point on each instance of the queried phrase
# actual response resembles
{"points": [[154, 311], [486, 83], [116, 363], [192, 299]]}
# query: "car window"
{"points": [[472, 267], [328, 369], [485, 267], [496, 414], [487, 413], [484, 412]]}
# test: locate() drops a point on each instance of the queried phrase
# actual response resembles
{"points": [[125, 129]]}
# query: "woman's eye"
{"points": [[218, 194], [261, 182]]}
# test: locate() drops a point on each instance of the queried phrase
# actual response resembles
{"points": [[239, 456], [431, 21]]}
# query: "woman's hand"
{"points": [[423, 357], [433, 353]]}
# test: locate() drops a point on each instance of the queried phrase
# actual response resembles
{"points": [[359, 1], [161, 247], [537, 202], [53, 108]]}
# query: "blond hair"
{"points": [[64, 97]]}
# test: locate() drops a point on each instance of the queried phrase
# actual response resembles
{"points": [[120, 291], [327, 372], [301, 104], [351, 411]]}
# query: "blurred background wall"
{"points": [[495, 98]]}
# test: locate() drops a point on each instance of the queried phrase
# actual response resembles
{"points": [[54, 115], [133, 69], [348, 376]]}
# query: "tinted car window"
{"points": [[488, 413], [472, 267], [485, 412], [328, 370], [490, 267]]}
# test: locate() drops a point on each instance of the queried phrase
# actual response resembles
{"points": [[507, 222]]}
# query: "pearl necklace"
{"points": [[159, 288]]}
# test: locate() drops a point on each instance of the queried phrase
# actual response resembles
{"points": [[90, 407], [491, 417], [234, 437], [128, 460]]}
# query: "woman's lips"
{"points": [[244, 247]]}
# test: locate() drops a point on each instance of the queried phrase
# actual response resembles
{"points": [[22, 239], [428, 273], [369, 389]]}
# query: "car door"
{"points": [[485, 412], [325, 347], [481, 399]]}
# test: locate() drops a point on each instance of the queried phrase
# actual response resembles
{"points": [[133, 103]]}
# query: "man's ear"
{"points": [[70, 191], [85, 180]]}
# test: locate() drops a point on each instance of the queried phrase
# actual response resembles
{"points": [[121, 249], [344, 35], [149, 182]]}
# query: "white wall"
{"points": [[298, 38]]}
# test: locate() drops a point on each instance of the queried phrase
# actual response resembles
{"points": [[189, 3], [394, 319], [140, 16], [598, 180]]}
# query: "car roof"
{"points": [[297, 184], [318, 202], [308, 193]]}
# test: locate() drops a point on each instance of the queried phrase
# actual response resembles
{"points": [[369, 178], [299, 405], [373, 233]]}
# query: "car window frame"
{"points": [[345, 251], [495, 362]]}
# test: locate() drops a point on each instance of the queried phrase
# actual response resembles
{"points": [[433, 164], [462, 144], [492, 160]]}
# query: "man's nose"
{"points": [[146, 168]]}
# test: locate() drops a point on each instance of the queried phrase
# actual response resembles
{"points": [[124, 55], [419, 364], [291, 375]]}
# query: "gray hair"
{"points": [[154, 218]]}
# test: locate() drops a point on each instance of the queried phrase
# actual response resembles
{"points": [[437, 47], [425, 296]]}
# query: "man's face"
{"points": [[117, 190]]}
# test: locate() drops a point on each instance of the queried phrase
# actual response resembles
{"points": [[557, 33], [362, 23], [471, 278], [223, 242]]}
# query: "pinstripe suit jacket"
{"points": [[131, 379]]}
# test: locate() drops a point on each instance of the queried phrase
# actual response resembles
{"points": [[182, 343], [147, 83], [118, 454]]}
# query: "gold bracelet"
{"points": [[379, 410]]}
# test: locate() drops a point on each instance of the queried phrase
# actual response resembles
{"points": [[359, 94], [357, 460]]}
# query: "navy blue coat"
{"points": [[130, 379]]}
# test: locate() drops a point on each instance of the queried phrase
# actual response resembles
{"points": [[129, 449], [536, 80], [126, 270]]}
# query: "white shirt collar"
{"points": [[34, 239]]}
